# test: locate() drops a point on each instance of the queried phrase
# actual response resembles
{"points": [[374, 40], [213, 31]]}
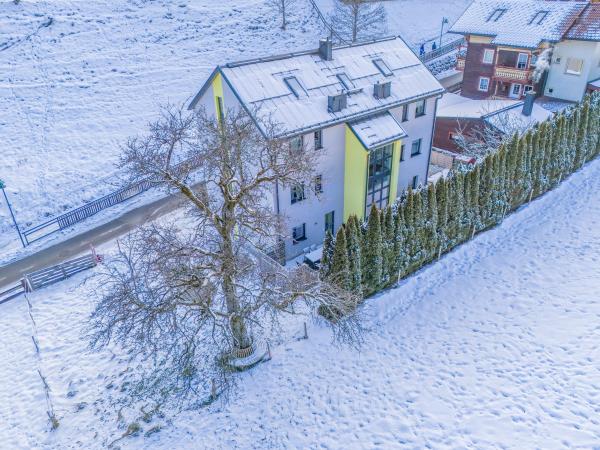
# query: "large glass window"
{"points": [[522, 61], [380, 171], [330, 221], [297, 192]]}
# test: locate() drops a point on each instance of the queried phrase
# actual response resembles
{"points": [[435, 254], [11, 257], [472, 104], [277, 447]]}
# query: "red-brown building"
{"points": [[506, 40]]}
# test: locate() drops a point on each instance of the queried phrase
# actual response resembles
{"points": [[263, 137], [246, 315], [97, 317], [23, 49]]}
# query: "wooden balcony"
{"points": [[512, 74]]}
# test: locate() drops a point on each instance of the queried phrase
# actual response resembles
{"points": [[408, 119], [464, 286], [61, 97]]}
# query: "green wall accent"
{"points": [[395, 171], [217, 85], [355, 176]]}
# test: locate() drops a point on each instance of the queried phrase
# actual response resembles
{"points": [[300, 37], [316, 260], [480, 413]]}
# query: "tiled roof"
{"points": [[587, 26], [261, 84], [519, 23], [377, 131]]}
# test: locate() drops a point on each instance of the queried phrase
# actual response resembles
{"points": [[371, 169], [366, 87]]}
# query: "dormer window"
{"points": [[539, 17], [495, 16], [345, 81], [295, 87], [383, 67]]}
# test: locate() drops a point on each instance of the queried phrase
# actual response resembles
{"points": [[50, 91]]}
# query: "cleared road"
{"points": [[78, 244]]}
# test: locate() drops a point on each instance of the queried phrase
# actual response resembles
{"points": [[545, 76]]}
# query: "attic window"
{"points": [[539, 17], [346, 81], [294, 86], [495, 16], [383, 67]]}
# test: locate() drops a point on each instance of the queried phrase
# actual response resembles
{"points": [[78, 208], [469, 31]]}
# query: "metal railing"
{"points": [[444, 49], [83, 212], [512, 73], [11, 293]]}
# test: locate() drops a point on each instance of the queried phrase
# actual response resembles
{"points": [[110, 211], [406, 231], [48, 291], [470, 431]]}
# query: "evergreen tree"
{"points": [[432, 240], [400, 261], [387, 233], [340, 270], [354, 254], [441, 193], [373, 251], [328, 245]]}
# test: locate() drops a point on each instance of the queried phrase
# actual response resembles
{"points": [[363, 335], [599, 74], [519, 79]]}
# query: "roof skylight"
{"points": [[539, 17], [495, 16], [346, 81], [294, 86], [383, 67]]}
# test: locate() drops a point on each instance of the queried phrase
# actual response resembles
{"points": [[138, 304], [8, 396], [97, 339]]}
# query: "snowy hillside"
{"points": [[77, 78], [495, 346]]}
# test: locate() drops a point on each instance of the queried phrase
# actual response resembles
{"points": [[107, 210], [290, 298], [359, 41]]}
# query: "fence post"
{"points": [[305, 331]]}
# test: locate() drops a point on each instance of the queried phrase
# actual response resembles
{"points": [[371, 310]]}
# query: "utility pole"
{"points": [[12, 214], [444, 22]]}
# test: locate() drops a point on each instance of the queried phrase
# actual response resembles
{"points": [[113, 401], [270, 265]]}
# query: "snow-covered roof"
{"points": [[266, 87], [595, 83], [512, 120], [455, 106], [377, 131], [519, 23], [587, 26]]}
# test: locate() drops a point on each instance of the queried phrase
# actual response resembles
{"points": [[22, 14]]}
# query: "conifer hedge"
{"points": [[425, 223]]}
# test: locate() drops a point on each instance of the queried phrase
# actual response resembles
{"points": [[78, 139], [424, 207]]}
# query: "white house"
{"points": [[575, 66], [368, 108]]}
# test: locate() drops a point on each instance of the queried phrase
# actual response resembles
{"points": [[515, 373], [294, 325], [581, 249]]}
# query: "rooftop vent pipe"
{"points": [[326, 49]]}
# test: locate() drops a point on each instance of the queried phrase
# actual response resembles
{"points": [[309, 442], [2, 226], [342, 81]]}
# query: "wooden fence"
{"points": [[50, 275]]}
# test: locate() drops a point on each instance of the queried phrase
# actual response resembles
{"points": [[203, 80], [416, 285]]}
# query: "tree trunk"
{"points": [[239, 330], [355, 23], [283, 25]]}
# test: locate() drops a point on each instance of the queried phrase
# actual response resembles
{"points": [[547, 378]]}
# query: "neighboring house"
{"points": [[575, 66], [458, 115], [505, 39], [368, 109]]}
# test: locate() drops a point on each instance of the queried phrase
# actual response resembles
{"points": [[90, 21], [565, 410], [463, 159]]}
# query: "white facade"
{"points": [[565, 83]]}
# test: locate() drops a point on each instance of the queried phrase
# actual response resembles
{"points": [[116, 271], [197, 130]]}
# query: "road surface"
{"points": [[12, 272]]}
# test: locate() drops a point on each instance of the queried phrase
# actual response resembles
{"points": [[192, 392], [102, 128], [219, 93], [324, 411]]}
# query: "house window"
{"points": [[451, 136], [538, 18], [516, 90], [380, 171], [318, 181], [329, 222], [299, 233], [220, 115], [488, 56], [574, 66], [294, 86], [416, 148], [405, 113], [557, 60], [495, 16], [297, 143], [484, 84], [318, 139], [346, 81], [420, 110], [383, 67], [402, 147], [297, 192], [522, 61], [415, 182], [528, 88]]}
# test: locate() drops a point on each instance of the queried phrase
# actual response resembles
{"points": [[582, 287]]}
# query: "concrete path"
{"points": [[12, 272]]}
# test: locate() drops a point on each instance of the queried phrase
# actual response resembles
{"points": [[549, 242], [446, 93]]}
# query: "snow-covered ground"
{"points": [[78, 77], [73, 90], [495, 346], [418, 21]]}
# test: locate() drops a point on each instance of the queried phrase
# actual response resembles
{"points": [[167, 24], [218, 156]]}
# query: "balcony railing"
{"points": [[511, 73]]}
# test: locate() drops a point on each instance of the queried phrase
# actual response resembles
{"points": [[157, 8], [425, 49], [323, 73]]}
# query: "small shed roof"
{"points": [[377, 131], [519, 23]]}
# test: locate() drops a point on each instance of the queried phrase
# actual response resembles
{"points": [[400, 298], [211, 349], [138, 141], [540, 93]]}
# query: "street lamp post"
{"points": [[444, 22], [12, 214]]}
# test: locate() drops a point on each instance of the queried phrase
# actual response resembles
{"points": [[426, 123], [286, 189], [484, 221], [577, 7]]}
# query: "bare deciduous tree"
{"points": [[283, 7], [359, 19], [185, 297]]}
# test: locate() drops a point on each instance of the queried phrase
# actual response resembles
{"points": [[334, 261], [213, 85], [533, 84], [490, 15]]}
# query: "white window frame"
{"points": [[487, 52], [527, 88], [297, 143], [295, 238], [487, 89], [520, 90], [526, 55], [570, 71]]}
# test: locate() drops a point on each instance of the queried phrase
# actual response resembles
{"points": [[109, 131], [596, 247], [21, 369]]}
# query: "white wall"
{"points": [[567, 86], [419, 127], [312, 210]]}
